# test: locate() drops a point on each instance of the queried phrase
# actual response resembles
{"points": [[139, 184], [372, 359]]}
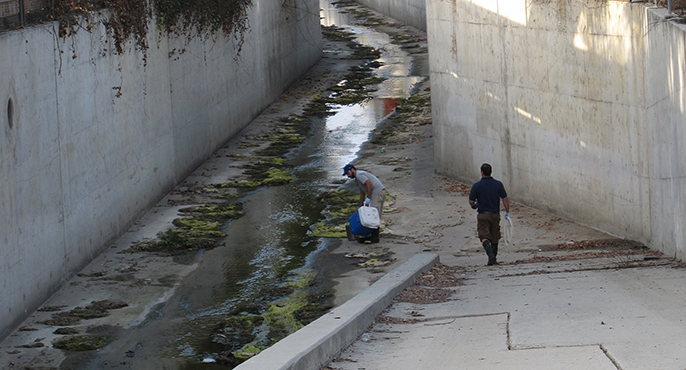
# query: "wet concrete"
{"points": [[171, 328]]}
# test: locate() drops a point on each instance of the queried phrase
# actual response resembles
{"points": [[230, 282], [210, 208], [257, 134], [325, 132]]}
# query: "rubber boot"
{"points": [[349, 233], [375, 236], [489, 251], [494, 247]]}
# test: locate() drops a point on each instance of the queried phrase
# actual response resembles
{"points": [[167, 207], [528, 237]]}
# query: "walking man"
{"points": [[485, 198], [372, 191]]}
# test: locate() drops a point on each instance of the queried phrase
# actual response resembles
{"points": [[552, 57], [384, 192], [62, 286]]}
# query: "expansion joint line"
{"points": [[510, 346], [609, 356], [602, 348]]}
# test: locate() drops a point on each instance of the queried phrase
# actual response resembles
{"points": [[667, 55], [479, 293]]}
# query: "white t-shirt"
{"points": [[362, 176]]}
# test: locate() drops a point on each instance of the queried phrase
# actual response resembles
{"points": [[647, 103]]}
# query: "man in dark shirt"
{"points": [[485, 198]]}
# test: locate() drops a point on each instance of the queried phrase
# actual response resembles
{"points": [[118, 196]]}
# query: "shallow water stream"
{"points": [[270, 243]]}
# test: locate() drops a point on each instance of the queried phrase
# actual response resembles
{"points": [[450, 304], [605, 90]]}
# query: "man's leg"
{"points": [[483, 227], [488, 247], [375, 236], [377, 201]]}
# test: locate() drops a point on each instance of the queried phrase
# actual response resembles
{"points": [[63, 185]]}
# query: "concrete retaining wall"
{"points": [[578, 106], [665, 47], [410, 12], [90, 140]]}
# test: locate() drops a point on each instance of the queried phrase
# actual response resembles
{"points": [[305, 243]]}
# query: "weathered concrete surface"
{"points": [[587, 313], [544, 293], [665, 102], [410, 12], [146, 281], [314, 345], [90, 140], [568, 101]]}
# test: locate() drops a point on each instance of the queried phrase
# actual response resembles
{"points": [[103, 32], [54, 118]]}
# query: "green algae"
{"points": [[217, 212], [94, 310], [201, 229], [334, 33], [238, 330], [32, 345], [290, 134], [301, 279], [277, 176], [329, 231], [340, 205], [409, 113], [66, 331], [271, 176], [355, 86], [246, 352], [245, 335], [244, 184], [196, 225], [82, 342]]}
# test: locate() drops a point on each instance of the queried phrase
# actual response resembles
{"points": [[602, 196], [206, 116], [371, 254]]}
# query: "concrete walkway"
{"points": [[580, 314], [617, 307]]}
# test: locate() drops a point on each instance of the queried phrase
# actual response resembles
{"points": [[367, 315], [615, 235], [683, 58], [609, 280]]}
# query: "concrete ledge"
{"points": [[313, 346]]}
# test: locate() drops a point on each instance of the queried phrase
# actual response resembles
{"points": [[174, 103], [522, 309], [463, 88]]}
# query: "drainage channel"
{"points": [[270, 244]]}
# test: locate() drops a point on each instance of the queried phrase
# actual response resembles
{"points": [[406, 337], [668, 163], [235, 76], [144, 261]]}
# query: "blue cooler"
{"points": [[356, 226]]}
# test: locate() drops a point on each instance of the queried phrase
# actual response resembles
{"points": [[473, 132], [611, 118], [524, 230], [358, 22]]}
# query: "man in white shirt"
{"points": [[372, 192]]}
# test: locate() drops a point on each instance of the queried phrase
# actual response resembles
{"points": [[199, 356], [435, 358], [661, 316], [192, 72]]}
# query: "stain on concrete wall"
{"points": [[90, 139]]}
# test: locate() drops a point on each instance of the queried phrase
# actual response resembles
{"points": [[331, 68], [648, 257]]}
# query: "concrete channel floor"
{"points": [[572, 318], [607, 309], [564, 297]]}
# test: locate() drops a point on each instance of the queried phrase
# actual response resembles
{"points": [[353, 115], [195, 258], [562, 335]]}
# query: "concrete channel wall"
{"points": [[90, 140], [578, 105], [410, 12]]}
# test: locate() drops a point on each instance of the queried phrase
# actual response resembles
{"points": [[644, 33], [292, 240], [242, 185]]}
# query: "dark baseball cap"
{"points": [[347, 168]]}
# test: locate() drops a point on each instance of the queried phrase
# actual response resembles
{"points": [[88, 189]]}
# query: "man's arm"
{"points": [[472, 197], [362, 197], [369, 186], [506, 203]]}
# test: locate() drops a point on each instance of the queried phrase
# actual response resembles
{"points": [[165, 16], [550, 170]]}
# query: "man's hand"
{"points": [[474, 206], [507, 215], [367, 202]]}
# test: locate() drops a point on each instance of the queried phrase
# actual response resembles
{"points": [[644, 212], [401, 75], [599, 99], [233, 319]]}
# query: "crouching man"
{"points": [[372, 192]]}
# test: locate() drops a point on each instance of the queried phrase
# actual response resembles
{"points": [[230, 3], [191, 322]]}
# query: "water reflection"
{"points": [[331, 16], [270, 242]]}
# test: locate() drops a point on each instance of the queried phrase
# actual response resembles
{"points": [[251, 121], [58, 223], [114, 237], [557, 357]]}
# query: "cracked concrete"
{"points": [[588, 313]]}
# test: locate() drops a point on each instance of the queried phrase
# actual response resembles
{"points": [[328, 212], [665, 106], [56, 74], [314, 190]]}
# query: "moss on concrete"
{"points": [[82, 342], [246, 352], [329, 231], [340, 205], [201, 229], [246, 335], [94, 310]]}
